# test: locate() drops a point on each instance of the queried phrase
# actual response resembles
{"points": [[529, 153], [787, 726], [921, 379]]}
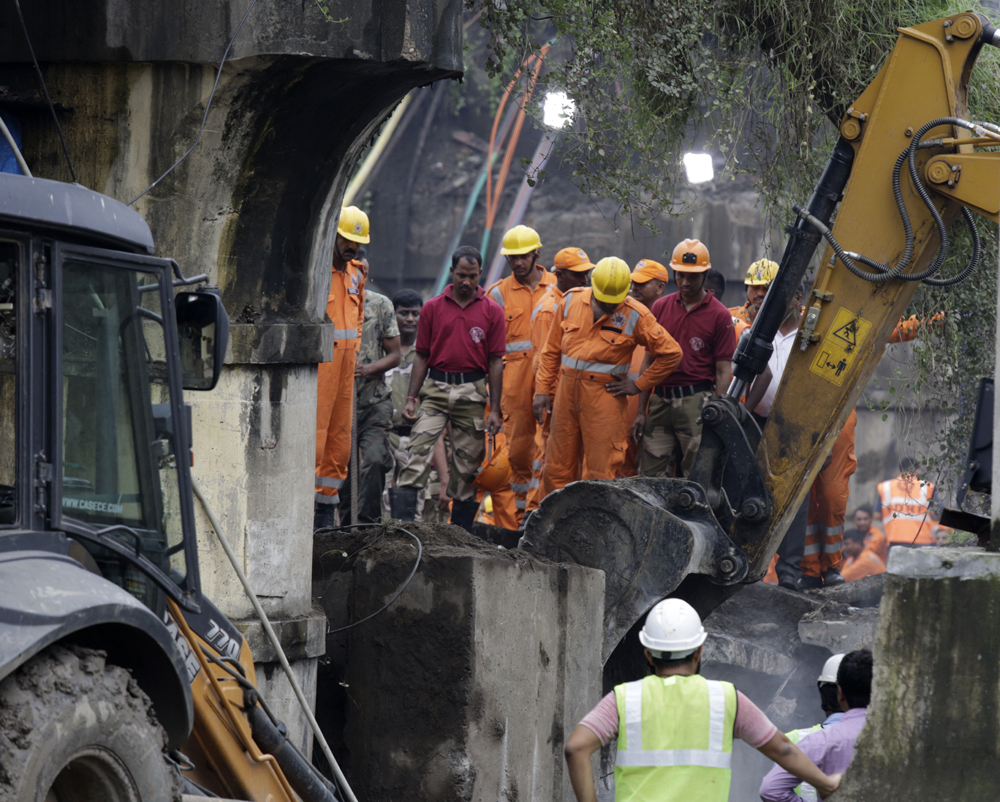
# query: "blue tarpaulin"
{"points": [[8, 164]]}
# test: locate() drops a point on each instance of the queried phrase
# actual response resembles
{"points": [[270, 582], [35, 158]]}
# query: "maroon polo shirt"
{"points": [[705, 334], [460, 340]]}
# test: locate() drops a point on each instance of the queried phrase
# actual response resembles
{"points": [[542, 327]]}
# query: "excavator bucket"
{"points": [[647, 535]]}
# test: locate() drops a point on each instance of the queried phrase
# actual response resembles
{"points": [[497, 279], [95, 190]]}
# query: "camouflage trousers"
{"points": [[464, 407], [672, 430], [427, 503]]}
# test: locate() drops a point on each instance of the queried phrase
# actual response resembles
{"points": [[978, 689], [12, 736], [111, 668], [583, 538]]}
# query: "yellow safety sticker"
{"points": [[840, 346]]}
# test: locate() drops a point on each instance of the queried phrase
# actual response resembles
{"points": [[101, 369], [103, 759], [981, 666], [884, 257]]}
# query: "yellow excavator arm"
{"points": [[907, 165], [911, 141]]}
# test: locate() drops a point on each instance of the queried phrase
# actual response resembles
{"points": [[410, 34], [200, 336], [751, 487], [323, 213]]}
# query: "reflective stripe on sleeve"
{"points": [[593, 367], [633, 318]]}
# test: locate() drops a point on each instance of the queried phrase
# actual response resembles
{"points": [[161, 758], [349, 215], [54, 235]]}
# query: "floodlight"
{"points": [[698, 167], [558, 109]]}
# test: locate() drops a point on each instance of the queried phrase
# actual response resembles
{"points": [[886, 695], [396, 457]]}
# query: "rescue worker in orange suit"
{"points": [[905, 508], [345, 307], [821, 560], [518, 295], [589, 349], [649, 282], [572, 269], [860, 559]]}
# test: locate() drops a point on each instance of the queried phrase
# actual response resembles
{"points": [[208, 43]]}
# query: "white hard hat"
{"points": [[672, 630], [829, 672]]}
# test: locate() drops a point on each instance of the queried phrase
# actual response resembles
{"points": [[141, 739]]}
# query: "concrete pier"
{"points": [[468, 685], [933, 732]]}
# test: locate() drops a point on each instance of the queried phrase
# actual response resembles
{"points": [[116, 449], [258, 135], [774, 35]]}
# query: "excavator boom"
{"points": [[905, 167]]}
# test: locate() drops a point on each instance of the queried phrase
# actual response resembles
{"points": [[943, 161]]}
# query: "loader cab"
{"points": [[98, 340]]}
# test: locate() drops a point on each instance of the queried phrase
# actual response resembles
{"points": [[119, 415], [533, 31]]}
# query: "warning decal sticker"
{"points": [[840, 346]]}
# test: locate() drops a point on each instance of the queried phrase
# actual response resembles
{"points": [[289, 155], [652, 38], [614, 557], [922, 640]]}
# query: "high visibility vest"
{"points": [[904, 511], [675, 739], [804, 790]]}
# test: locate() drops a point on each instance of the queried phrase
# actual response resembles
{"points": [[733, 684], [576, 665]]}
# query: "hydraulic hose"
{"points": [[883, 273], [276, 645], [755, 346]]}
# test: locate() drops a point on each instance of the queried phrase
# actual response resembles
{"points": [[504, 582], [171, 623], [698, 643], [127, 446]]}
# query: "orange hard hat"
{"points": [[690, 256], [648, 270], [574, 259], [495, 470]]}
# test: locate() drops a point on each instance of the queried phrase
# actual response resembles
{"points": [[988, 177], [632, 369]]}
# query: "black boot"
{"points": [[324, 516], [831, 577], [403, 503], [463, 514]]}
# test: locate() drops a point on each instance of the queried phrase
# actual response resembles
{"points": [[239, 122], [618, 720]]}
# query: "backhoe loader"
{"points": [[907, 164], [119, 680]]}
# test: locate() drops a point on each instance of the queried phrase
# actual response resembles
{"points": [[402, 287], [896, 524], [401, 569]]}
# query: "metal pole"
{"points": [[354, 454]]}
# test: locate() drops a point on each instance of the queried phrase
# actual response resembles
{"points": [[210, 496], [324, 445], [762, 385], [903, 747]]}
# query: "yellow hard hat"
{"points": [[611, 280], [495, 470], [520, 239], [690, 256], [353, 225], [761, 272]]}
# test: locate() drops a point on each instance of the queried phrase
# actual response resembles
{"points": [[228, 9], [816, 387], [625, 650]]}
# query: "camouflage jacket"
{"points": [[380, 324], [399, 382]]}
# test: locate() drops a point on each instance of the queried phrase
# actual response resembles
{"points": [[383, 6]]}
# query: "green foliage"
{"points": [[765, 83]]}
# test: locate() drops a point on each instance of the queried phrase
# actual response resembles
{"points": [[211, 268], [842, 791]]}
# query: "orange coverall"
{"points": [[632, 403], [867, 563], [589, 431], [541, 323], [518, 302], [335, 397], [828, 505]]}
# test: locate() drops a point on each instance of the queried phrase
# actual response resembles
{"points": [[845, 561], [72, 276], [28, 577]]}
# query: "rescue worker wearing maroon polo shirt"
{"points": [[461, 340], [703, 328]]}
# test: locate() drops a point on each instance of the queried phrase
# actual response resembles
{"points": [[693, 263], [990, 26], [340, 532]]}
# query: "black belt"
{"points": [[684, 392], [456, 378]]}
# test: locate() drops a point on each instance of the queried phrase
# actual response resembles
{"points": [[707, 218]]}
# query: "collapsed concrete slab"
{"points": [[771, 643], [933, 731], [466, 687]]}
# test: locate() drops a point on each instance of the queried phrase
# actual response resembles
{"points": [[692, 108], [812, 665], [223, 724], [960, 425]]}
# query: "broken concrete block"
{"points": [[933, 730], [468, 685]]}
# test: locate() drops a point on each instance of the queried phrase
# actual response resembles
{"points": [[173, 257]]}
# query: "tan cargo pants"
{"points": [[673, 426]]}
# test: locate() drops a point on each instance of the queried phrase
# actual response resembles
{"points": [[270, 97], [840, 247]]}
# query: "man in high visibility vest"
{"points": [[335, 393], [827, 685], [675, 728], [830, 748], [518, 295], [905, 507]]}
